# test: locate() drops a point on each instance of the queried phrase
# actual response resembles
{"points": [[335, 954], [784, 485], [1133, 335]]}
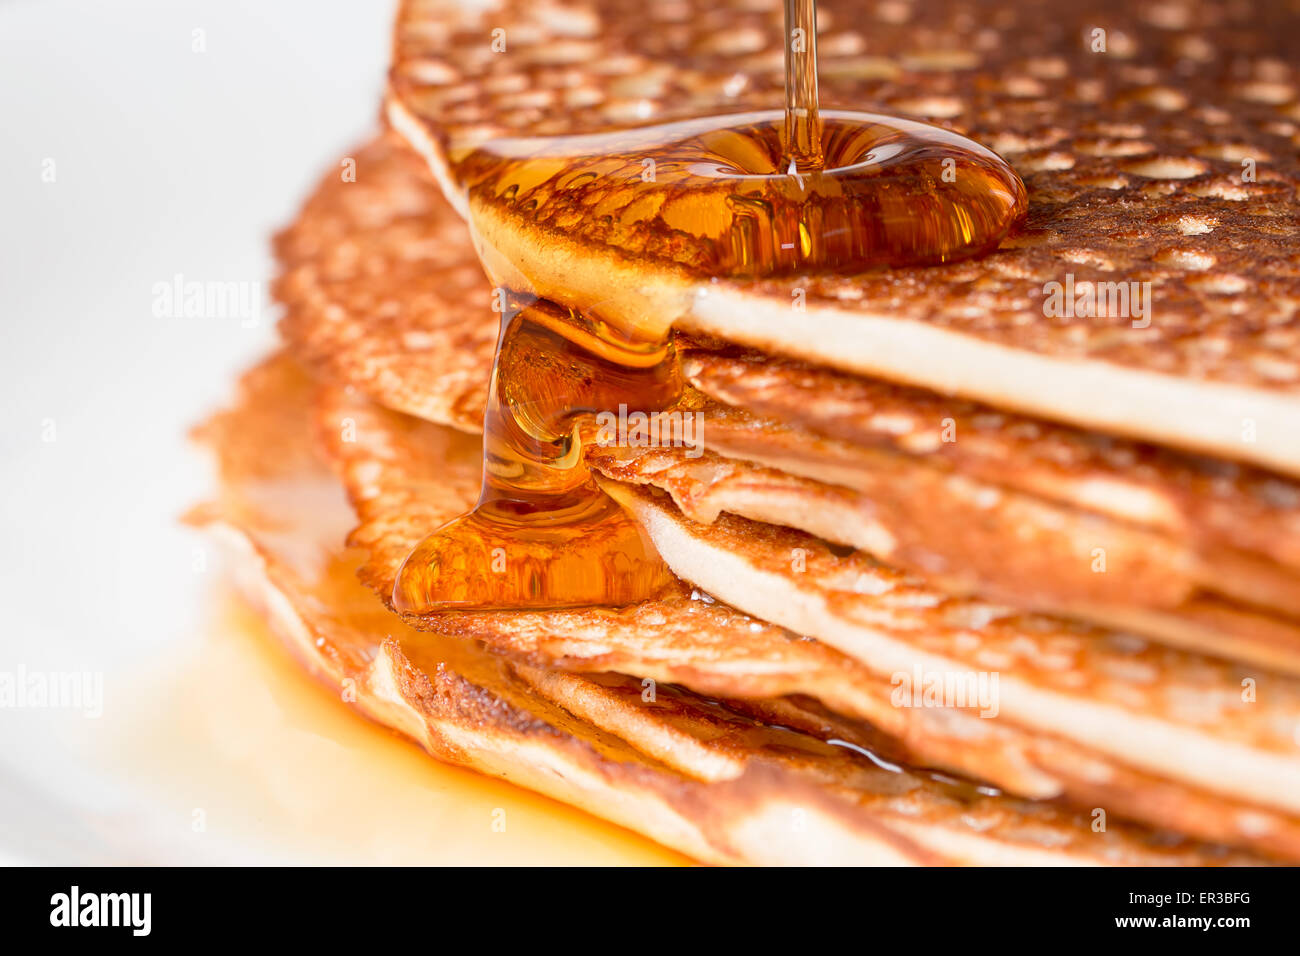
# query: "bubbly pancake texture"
{"points": [[1161, 151]]}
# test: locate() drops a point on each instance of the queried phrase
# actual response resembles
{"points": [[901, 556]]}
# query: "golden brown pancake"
{"points": [[1100, 718], [1162, 151], [368, 269], [1216, 506], [1087, 717], [975, 538], [688, 772], [1015, 508]]}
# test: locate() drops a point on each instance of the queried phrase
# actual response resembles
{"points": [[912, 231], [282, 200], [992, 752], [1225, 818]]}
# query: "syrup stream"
{"points": [[802, 140]]}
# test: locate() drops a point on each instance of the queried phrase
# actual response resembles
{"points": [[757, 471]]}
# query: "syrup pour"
{"points": [[743, 196], [802, 133]]}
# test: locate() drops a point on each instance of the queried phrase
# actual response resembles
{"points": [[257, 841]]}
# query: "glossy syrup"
{"points": [[559, 222], [543, 534]]}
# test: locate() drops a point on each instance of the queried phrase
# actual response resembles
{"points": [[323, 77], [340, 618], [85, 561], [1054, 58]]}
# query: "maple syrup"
{"points": [[744, 196], [256, 759], [802, 133], [718, 196], [543, 534]]}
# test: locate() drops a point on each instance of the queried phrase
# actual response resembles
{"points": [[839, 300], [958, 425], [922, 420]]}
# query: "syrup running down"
{"points": [[802, 133], [543, 534], [745, 196]]}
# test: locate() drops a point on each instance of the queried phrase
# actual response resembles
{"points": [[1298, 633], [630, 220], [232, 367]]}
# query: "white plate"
{"points": [[141, 141]]}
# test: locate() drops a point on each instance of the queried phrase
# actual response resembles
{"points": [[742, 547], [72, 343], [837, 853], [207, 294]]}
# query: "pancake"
{"points": [[1101, 719], [1133, 158], [378, 287], [765, 678], [367, 271], [976, 538], [688, 772], [1214, 505]]}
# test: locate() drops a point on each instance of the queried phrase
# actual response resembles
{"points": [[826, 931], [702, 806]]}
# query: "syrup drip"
{"points": [[743, 196], [543, 534], [802, 133]]}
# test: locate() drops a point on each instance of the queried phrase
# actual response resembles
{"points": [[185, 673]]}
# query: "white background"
{"points": [[166, 161]]}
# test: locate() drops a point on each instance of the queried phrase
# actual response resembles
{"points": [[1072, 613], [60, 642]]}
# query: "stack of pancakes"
{"points": [[918, 481]]}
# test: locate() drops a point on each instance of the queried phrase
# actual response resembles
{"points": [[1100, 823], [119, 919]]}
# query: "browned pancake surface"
{"points": [[375, 284], [390, 462], [686, 771], [1133, 156], [370, 266], [1214, 503]]}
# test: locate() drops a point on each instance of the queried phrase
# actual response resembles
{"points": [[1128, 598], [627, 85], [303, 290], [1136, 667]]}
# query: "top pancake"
{"points": [[1133, 158]]}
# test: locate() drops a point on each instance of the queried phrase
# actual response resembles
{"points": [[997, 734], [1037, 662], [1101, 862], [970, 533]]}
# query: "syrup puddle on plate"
{"points": [[243, 757]]}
